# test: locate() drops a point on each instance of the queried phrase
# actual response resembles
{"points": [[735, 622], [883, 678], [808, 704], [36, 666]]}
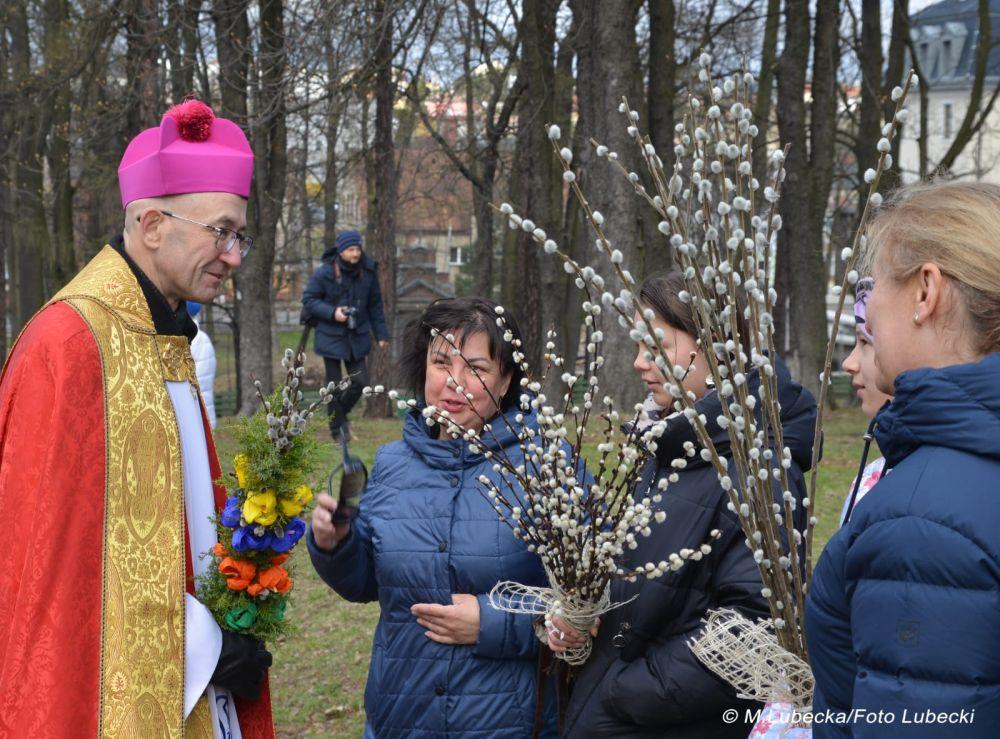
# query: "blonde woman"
{"points": [[903, 615]]}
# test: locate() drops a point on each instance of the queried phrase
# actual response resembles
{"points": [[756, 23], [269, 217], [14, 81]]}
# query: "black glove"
{"points": [[241, 667]]}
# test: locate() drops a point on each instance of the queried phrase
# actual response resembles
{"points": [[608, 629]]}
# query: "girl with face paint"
{"points": [[860, 365]]}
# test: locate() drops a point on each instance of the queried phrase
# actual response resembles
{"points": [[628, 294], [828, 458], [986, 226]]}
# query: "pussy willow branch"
{"points": [[559, 557], [844, 286], [745, 481]]}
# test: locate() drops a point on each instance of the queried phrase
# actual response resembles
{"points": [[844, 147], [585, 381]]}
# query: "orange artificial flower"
{"points": [[219, 550], [279, 559], [238, 572], [275, 579], [254, 589]]}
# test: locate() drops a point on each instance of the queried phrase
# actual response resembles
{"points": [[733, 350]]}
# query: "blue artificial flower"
{"points": [[247, 538], [294, 530], [231, 513]]}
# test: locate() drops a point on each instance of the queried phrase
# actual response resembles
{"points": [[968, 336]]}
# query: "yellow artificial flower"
{"points": [[240, 464], [304, 494], [261, 508], [293, 506]]}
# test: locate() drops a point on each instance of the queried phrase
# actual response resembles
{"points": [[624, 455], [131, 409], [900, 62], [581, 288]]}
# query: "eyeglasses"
{"points": [[225, 238]]}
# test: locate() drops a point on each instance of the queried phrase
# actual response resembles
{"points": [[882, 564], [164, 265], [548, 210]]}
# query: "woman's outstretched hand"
{"points": [[325, 533], [454, 624], [562, 636]]}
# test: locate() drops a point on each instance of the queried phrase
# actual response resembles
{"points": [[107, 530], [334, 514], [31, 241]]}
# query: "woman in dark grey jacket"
{"points": [[642, 679]]}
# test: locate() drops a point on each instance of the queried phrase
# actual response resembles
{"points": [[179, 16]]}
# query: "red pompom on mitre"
{"points": [[194, 120]]}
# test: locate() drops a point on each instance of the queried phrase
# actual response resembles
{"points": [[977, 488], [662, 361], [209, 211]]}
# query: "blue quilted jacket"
{"points": [[904, 610], [423, 531]]}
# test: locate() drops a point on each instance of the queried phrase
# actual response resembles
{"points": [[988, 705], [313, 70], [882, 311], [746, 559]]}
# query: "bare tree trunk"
{"points": [[62, 261], [894, 76], [794, 247], [270, 170], [661, 107], [765, 88], [6, 213], [510, 284], [142, 27], [823, 110], [482, 186], [98, 205], [383, 245], [31, 236], [174, 46], [607, 70], [182, 32], [569, 317], [802, 278], [482, 205], [535, 167], [232, 42], [333, 111], [870, 117]]}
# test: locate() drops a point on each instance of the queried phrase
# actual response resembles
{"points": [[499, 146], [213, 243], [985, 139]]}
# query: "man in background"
{"points": [[344, 298]]}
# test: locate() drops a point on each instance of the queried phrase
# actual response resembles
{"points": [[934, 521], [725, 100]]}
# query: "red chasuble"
{"points": [[92, 586]]}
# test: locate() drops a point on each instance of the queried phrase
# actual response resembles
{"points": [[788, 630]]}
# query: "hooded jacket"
{"points": [[325, 293], [423, 531], [904, 610], [642, 679]]}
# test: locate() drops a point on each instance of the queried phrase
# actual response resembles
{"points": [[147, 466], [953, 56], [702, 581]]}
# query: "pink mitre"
{"points": [[190, 151]]}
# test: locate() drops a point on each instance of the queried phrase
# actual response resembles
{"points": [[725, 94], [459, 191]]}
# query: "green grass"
{"points": [[318, 678]]}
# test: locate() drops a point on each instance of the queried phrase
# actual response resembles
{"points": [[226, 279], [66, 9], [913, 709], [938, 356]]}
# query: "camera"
{"points": [[352, 320]]}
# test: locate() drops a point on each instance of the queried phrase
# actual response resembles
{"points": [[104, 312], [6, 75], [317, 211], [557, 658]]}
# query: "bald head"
{"points": [[172, 203], [176, 240]]}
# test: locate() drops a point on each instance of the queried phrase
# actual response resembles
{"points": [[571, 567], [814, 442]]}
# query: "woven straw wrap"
{"points": [[746, 654], [514, 597]]}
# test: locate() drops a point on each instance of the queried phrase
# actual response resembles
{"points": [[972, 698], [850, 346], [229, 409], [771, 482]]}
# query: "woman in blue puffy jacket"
{"points": [[429, 547], [903, 614]]}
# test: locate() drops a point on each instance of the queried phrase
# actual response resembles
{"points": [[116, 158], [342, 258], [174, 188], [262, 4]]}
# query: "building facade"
{"points": [[946, 37]]}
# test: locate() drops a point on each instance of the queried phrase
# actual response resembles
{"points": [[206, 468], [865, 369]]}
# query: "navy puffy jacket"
{"points": [[642, 679], [423, 531], [325, 293], [904, 610]]}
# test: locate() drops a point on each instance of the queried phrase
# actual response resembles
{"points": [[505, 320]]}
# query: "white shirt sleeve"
{"points": [[202, 647], [203, 352]]}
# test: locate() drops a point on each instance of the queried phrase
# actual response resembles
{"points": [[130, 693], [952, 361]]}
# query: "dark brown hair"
{"points": [[464, 316], [661, 292]]}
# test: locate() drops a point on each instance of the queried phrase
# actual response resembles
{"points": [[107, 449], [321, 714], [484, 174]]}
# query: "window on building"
{"points": [[456, 256], [949, 116]]}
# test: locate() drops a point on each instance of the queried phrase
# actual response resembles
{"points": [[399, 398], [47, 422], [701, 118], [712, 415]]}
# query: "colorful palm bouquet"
{"points": [[249, 585]]}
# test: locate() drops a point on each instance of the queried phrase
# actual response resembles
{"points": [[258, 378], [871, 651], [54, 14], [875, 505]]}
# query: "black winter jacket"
{"points": [[325, 293], [642, 679]]}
